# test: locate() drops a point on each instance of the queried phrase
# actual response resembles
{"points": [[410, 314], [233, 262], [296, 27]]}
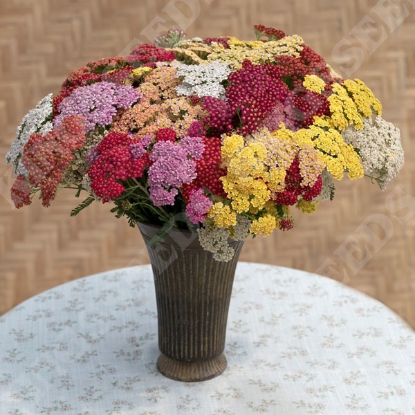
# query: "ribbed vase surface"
{"points": [[193, 293]]}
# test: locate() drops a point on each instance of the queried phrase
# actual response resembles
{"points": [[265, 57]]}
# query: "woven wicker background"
{"points": [[364, 238]]}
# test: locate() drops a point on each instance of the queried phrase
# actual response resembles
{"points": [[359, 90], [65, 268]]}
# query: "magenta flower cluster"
{"points": [[198, 206], [172, 166], [98, 103]]}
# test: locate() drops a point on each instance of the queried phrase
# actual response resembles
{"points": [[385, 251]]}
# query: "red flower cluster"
{"points": [[47, 157], [252, 94], [208, 170], [114, 163], [149, 54], [273, 34], [166, 134], [286, 224], [218, 115], [69, 86], [303, 106], [293, 189], [196, 130], [20, 192], [118, 76], [221, 40]]}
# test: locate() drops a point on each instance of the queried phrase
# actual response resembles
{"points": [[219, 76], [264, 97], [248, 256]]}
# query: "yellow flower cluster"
{"points": [[296, 144], [191, 52], [222, 215], [307, 207], [245, 182], [257, 52], [347, 110], [265, 225], [314, 83], [344, 110], [363, 97], [140, 72], [332, 152], [337, 155]]}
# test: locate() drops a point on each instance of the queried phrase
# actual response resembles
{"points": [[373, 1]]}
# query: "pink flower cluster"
{"points": [[172, 166], [97, 103]]}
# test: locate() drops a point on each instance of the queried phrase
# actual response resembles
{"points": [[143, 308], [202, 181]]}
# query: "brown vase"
{"points": [[193, 293]]}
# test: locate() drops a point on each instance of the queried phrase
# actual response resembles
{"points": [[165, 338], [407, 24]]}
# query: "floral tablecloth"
{"points": [[297, 343]]}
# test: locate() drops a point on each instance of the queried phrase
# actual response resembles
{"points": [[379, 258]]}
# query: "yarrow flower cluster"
{"points": [[203, 80], [229, 134]]}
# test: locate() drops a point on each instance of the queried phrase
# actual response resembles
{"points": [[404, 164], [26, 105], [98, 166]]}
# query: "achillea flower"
{"points": [[220, 40], [314, 83], [218, 115], [20, 192], [252, 94], [114, 165], [278, 115], [270, 32], [301, 108], [196, 129], [46, 157], [166, 134], [148, 53], [222, 215], [380, 149], [203, 80], [215, 240], [97, 103], [256, 52], [208, 170], [36, 120], [118, 76], [194, 146], [308, 207], [264, 226], [295, 188], [198, 206], [171, 168]]}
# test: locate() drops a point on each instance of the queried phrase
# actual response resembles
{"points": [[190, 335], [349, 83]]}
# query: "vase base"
{"points": [[191, 371]]}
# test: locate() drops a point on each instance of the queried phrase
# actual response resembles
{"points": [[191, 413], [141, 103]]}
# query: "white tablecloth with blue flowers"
{"points": [[297, 343]]}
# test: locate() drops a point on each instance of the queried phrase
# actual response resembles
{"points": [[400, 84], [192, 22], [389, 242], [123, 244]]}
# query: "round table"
{"points": [[297, 343]]}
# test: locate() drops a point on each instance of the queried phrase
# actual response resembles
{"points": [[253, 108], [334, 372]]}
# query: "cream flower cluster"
{"points": [[216, 240], [36, 120], [380, 149]]}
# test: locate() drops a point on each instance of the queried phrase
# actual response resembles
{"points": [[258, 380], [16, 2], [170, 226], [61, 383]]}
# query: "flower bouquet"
{"points": [[216, 135]]}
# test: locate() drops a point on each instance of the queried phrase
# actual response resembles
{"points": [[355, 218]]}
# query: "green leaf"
{"points": [[280, 211], [331, 192], [82, 206], [78, 193]]}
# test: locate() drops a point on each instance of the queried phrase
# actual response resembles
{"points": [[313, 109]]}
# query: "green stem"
{"points": [[156, 210]]}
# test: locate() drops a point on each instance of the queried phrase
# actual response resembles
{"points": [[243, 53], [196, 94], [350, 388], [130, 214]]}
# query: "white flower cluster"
{"points": [[241, 229], [380, 149], [35, 121], [216, 240], [203, 80], [327, 190]]}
